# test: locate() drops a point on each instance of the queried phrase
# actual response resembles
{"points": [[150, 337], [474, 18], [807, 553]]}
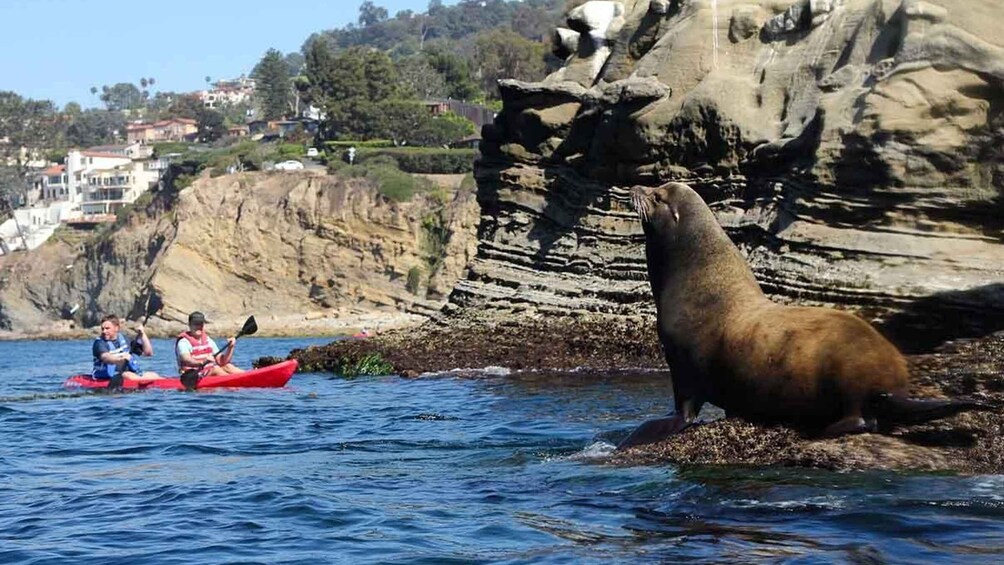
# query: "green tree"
{"points": [[211, 125], [94, 127], [158, 104], [27, 127], [236, 113], [398, 120], [185, 106], [294, 63], [532, 22], [419, 79], [122, 96], [272, 85], [455, 71], [442, 130], [72, 109], [346, 86], [369, 14], [504, 54]]}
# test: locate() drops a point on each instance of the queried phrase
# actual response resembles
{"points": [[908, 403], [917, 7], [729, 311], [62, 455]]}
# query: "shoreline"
{"points": [[313, 324]]}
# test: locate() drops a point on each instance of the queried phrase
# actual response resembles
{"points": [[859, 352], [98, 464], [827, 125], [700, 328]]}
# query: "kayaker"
{"points": [[196, 350], [113, 353]]}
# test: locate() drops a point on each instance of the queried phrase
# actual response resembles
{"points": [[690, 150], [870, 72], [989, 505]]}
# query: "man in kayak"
{"points": [[113, 353], [196, 350]]}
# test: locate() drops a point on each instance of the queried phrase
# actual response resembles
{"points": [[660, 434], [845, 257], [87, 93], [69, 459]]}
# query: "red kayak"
{"points": [[273, 376]]}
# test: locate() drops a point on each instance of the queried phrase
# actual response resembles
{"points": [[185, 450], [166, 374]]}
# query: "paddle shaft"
{"points": [[250, 326]]}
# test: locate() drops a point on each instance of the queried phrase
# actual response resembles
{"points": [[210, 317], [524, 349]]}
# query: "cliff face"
{"points": [[275, 244], [853, 149]]}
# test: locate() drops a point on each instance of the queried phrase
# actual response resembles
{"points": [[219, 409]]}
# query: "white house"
{"points": [[232, 91], [106, 182], [32, 226], [100, 180], [51, 183]]}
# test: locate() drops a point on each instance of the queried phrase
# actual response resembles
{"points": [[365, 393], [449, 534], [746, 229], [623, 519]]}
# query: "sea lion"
{"points": [[727, 344]]}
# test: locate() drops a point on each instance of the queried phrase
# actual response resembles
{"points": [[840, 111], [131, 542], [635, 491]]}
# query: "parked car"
{"points": [[311, 152], [291, 165]]}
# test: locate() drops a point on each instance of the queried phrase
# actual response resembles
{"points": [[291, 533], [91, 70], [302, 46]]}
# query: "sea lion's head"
{"points": [[660, 208]]}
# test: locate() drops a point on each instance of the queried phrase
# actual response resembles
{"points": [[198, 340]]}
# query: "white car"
{"points": [[291, 165], [312, 152]]}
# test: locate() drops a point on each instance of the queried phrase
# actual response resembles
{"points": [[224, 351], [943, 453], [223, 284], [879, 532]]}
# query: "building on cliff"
{"points": [[102, 183], [89, 188], [174, 129], [232, 91]]}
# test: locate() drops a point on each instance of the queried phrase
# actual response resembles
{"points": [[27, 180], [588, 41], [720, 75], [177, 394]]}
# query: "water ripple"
{"points": [[463, 467]]}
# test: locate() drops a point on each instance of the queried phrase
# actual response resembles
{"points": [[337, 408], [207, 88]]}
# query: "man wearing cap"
{"points": [[196, 350]]}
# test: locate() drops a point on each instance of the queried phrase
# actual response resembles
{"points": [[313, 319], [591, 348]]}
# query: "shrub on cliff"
{"points": [[414, 280], [390, 181], [396, 185], [424, 159], [291, 150]]}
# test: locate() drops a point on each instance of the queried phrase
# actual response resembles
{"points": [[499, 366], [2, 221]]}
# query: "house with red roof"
{"points": [[173, 129]]}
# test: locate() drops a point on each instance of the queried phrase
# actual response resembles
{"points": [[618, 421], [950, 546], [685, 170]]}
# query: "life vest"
{"points": [[202, 350], [118, 345]]}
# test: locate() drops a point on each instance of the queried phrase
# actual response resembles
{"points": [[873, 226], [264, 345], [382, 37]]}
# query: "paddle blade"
{"points": [[250, 327]]}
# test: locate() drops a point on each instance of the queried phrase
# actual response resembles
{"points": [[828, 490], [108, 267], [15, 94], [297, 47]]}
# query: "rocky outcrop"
{"points": [[853, 149], [969, 443], [282, 245]]}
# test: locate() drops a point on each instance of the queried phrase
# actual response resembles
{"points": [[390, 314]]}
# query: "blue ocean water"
{"points": [[446, 469]]}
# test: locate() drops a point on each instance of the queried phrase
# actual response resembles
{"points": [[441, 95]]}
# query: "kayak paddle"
{"points": [[190, 378]]}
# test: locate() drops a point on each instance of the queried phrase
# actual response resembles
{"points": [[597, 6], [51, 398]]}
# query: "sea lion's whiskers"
{"points": [[640, 205]]}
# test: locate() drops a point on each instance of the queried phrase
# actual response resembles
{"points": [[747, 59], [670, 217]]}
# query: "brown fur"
{"points": [[726, 343]]}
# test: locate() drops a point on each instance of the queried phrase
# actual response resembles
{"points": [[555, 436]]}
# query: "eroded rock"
{"points": [[854, 150], [280, 243]]}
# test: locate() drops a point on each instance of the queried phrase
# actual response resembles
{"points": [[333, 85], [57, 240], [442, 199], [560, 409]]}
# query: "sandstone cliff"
{"points": [[284, 246], [854, 150]]}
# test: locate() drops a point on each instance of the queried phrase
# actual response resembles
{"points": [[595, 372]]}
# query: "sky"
{"points": [[58, 49]]}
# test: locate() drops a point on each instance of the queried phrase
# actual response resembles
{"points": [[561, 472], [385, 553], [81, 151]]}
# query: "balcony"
{"points": [[104, 194], [110, 182]]}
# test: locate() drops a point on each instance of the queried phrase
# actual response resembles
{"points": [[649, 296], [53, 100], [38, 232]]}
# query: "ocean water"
{"points": [[444, 469]]}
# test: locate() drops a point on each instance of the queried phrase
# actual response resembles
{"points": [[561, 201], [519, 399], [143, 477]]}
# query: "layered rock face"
{"points": [[275, 244], [853, 149]]}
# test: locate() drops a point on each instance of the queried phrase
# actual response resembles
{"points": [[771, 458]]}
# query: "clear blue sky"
{"points": [[58, 49]]}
